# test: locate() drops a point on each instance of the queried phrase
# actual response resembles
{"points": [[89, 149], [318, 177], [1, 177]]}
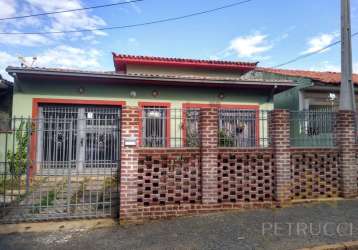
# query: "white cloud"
{"points": [[24, 40], [250, 46], [319, 42], [8, 8], [68, 20], [64, 56], [135, 7], [132, 42], [5, 60], [326, 66], [59, 22]]}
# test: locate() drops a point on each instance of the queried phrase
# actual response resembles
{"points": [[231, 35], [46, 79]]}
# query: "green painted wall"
{"points": [[288, 99], [26, 91]]}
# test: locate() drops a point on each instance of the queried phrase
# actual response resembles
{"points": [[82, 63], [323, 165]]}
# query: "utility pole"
{"points": [[347, 96]]}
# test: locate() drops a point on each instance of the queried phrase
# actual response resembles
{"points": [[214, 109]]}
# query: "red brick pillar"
{"points": [[209, 154], [280, 134], [346, 143], [129, 165]]}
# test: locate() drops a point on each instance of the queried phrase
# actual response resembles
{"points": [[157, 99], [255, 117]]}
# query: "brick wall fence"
{"points": [[167, 182]]}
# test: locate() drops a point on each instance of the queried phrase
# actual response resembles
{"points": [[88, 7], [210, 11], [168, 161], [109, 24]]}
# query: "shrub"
{"points": [[18, 159]]}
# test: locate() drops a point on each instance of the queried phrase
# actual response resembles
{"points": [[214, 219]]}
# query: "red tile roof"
{"points": [[325, 77], [120, 60]]}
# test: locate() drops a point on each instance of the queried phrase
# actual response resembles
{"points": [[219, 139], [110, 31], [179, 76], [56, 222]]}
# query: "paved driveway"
{"points": [[288, 228]]}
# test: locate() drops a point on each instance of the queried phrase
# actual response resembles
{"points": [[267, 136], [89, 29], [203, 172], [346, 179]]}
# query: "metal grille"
{"points": [[192, 136], [243, 128], [163, 127], [62, 165], [154, 126], [313, 128], [57, 137]]}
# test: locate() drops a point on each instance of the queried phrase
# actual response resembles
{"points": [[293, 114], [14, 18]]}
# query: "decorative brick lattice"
{"points": [[245, 176], [315, 174], [169, 177]]}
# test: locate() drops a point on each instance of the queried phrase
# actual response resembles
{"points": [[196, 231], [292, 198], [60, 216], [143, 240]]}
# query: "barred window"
{"points": [[237, 128], [319, 119], [154, 126], [192, 128]]}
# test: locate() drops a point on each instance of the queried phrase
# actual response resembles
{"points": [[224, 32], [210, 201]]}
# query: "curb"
{"points": [[37, 227], [351, 245]]}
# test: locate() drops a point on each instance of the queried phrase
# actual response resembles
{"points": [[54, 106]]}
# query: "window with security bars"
{"points": [[312, 128], [78, 136], [319, 119], [58, 140], [154, 126], [192, 138], [238, 128]]}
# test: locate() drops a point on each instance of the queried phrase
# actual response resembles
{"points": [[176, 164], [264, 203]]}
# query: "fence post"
{"points": [[128, 210], [209, 154], [346, 143], [280, 134]]}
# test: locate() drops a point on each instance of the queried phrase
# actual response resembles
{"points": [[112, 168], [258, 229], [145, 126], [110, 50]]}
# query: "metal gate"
{"points": [[62, 165]]}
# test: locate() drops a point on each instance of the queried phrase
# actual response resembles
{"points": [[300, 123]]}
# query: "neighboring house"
{"points": [[167, 90], [315, 90], [5, 103]]}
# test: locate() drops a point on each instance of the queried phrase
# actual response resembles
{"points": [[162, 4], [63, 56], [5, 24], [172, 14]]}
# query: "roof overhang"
{"points": [[319, 87], [117, 78]]}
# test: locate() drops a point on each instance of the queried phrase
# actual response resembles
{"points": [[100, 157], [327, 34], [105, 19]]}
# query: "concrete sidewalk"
{"points": [[288, 228]]}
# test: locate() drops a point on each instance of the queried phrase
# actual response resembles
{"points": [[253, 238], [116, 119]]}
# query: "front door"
{"points": [[83, 138]]}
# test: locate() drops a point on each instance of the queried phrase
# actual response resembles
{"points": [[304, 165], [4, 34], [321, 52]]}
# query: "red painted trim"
{"points": [[119, 60], [166, 105], [35, 109], [186, 106], [37, 101]]}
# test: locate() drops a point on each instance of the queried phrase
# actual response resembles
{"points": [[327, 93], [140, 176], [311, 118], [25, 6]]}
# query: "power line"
{"points": [[71, 10], [311, 54], [131, 25]]}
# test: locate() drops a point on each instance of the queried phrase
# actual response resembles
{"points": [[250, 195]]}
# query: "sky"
{"points": [[268, 31]]}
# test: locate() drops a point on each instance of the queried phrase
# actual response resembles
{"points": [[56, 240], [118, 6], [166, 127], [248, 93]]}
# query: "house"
{"points": [[73, 129], [155, 84], [315, 90], [161, 137]]}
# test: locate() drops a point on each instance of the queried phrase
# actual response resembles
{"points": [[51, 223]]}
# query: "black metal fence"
{"points": [[164, 127], [313, 128], [60, 166], [244, 128]]}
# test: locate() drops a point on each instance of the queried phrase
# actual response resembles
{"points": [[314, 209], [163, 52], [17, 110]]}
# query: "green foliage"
{"points": [[17, 160], [225, 140], [46, 201], [192, 139]]}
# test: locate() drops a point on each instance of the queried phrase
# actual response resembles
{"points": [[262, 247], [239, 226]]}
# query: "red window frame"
{"points": [[35, 112], [165, 105], [186, 106]]}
